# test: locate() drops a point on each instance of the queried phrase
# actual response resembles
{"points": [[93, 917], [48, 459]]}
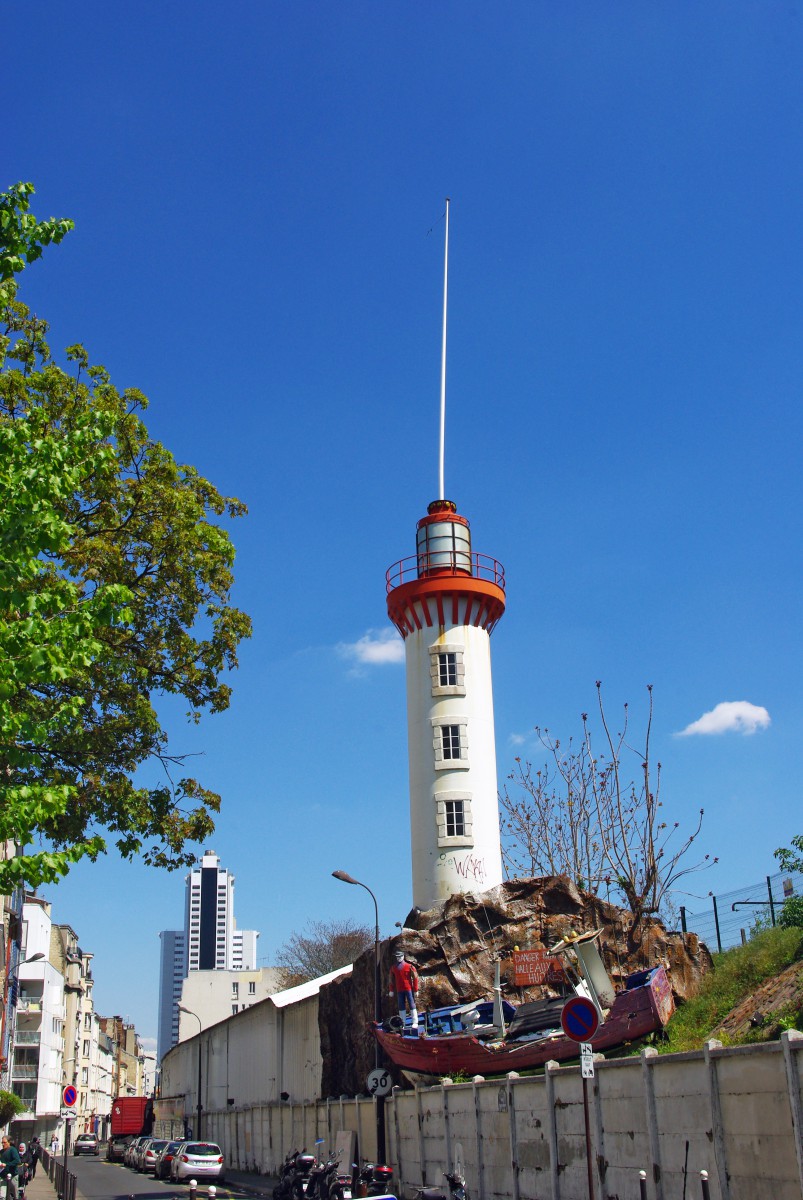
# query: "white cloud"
{"points": [[732, 716], [517, 739], [374, 648]]}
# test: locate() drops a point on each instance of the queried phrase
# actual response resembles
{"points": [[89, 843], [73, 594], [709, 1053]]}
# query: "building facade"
{"points": [[209, 941], [215, 995], [36, 1044]]}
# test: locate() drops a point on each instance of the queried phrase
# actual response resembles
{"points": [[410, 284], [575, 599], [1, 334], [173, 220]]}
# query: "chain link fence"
{"points": [[734, 916]]}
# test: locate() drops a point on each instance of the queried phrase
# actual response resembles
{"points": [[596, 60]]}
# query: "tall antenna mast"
{"points": [[442, 493]]}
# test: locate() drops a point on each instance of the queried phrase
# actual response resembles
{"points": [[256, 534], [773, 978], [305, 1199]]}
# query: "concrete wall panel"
{"points": [[524, 1139]]}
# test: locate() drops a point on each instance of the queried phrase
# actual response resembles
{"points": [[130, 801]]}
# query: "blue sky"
{"points": [[258, 199]]}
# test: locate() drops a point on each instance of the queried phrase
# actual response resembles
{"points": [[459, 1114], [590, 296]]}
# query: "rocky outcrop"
{"points": [[766, 1012], [454, 946]]}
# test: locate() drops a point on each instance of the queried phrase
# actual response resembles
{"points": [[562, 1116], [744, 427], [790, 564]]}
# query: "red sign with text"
{"points": [[534, 967]]}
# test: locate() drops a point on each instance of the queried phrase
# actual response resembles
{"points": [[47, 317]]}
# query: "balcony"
{"points": [[25, 1071], [28, 1037]]}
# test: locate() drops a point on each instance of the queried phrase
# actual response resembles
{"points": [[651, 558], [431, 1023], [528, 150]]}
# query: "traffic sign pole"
{"points": [[589, 1169], [579, 1020]]}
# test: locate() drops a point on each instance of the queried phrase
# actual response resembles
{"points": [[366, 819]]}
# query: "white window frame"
{"points": [[451, 689], [441, 800], [460, 763]]}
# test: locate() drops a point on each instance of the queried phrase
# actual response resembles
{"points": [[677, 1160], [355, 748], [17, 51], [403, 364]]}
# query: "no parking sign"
{"points": [[579, 1019]]}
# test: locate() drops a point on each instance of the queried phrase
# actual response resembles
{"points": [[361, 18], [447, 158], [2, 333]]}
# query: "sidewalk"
{"points": [[40, 1187], [245, 1181]]}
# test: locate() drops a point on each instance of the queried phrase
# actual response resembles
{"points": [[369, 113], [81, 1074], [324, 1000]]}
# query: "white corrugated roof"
{"points": [[304, 990]]}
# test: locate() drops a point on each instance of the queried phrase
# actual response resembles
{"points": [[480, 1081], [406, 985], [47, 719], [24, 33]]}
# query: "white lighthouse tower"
{"points": [[445, 600]]}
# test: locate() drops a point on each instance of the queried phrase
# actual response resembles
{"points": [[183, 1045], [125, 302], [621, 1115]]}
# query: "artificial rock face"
{"points": [[454, 945]]}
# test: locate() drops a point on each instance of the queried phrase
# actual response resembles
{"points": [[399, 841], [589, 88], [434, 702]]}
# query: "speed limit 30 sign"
{"points": [[379, 1082]]}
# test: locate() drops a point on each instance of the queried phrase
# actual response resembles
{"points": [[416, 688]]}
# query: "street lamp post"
{"points": [[190, 1013], [344, 877], [12, 975]]}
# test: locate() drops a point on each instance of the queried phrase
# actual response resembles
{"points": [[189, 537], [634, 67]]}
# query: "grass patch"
{"points": [[736, 974]]}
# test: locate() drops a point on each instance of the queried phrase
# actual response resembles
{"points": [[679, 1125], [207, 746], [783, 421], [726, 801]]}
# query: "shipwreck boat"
{"points": [[534, 1036]]}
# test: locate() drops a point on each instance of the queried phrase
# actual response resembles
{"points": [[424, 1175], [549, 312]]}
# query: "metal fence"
{"points": [[62, 1179], [734, 916]]}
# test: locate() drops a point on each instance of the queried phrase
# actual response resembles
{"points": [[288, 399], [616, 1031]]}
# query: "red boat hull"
{"points": [[635, 1014]]}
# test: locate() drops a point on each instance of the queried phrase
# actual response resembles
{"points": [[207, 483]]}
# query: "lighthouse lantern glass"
{"points": [[444, 547]]}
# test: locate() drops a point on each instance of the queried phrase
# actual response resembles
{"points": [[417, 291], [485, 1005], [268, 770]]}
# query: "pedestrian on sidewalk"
{"points": [[24, 1176], [9, 1167], [36, 1153]]}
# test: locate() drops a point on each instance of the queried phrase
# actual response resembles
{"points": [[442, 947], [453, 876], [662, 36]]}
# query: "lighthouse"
{"points": [[445, 600]]}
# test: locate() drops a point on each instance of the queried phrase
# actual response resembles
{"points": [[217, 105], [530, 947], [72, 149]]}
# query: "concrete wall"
{"points": [[251, 1058], [735, 1112], [257, 1137]]}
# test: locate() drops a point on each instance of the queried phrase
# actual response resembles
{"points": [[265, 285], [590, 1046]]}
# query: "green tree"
{"points": [[791, 914], [129, 526], [22, 235], [49, 632], [791, 859]]}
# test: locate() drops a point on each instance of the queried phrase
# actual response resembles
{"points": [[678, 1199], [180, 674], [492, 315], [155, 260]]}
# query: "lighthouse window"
{"points": [[453, 818], [450, 741], [455, 821], [447, 670]]}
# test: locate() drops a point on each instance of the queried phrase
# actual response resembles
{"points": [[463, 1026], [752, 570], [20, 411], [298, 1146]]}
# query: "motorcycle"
{"points": [[374, 1179], [282, 1189], [457, 1189], [321, 1180], [294, 1176], [342, 1187]]}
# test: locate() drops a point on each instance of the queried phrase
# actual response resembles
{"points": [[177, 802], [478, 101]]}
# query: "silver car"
{"points": [[164, 1158], [197, 1160], [86, 1143], [149, 1154]]}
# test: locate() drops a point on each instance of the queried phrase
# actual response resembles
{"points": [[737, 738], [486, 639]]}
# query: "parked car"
{"points": [[164, 1158], [130, 1154], [117, 1145], [149, 1154], [86, 1143], [197, 1160], [139, 1154]]}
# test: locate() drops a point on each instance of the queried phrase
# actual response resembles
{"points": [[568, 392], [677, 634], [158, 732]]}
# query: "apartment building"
{"points": [[36, 1042], [209, 941]]}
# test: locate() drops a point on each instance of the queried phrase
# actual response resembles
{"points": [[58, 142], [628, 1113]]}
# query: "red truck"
{"points": [[132, 1116]]}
